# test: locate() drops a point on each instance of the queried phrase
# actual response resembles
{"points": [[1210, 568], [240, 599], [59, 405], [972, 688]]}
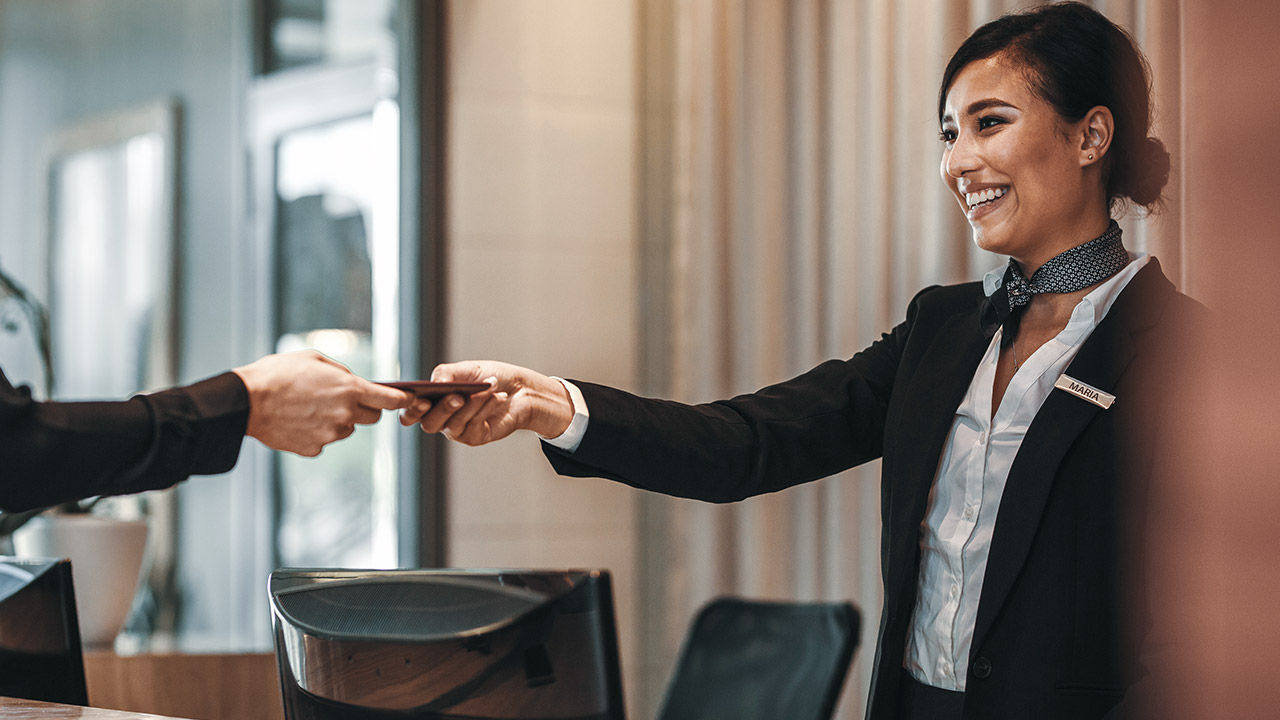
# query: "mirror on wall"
{"points": [[110, 237]]}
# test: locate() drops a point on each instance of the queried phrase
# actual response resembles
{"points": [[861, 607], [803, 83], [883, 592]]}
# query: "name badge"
{"points": [[1085, 391]]}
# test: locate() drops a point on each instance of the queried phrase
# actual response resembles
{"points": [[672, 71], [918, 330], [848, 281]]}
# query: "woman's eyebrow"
{"points": [[988, 103], [979, 105]]}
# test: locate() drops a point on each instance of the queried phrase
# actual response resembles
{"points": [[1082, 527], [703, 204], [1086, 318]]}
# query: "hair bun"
{"points": [[1151, 173]]}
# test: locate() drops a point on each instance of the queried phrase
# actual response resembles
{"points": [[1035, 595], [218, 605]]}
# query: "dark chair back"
{"points": [[747, 660], [40, 655], [446, 644]]}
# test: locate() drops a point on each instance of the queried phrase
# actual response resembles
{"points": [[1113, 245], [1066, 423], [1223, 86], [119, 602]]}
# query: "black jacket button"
{"points": [[981, 668]]}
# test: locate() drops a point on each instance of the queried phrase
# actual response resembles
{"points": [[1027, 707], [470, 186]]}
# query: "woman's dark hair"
{"points": [[1077, 60]]}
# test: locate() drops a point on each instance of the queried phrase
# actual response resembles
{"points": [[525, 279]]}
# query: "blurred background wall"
{"points": [[542, 269]]}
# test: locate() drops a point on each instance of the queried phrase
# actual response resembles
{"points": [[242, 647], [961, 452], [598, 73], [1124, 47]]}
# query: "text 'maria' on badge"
{"points": [[1085, 391]]}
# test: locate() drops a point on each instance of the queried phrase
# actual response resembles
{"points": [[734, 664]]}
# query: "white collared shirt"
{"points": [[965, 499]]}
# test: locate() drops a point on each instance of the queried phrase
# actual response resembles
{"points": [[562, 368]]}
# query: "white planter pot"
{"points": [[106, 558]]}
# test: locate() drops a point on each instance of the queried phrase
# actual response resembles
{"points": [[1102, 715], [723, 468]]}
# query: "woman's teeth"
{"points": [[974, 199]]}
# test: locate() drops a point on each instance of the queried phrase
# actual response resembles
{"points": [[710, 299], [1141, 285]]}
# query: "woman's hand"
{"points": [[302, 401], [517, 399]]}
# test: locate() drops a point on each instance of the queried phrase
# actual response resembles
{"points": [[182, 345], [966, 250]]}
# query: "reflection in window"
{"points": [[333, 32], [332, 242]]}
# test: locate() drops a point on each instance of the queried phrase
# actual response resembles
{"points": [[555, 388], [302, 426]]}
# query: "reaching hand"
{"points": [[517, 399], [302, 401]]}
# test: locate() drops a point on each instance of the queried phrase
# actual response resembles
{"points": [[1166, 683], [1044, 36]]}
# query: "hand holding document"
{"points": [[515, 398], [302, 401]]}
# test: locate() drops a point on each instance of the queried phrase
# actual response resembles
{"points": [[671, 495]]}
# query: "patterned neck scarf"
{"points": [[1075, 269]]}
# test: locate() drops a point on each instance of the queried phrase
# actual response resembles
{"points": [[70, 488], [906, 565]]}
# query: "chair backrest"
{"points": [[748, 660], [40, 655], [437, 644]]}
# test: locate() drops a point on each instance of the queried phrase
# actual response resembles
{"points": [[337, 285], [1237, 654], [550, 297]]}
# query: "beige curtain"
{"points": [[790, 206]]}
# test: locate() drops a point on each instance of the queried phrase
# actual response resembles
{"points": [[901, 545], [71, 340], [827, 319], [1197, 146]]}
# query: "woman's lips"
{"points": [[985, 207]]}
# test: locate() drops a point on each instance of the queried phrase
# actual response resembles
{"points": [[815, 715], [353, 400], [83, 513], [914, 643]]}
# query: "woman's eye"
{"points": [[987, 122], [947, 136]]}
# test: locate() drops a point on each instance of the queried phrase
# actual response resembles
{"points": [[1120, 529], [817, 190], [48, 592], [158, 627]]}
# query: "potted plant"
{"points": [[106, 552]]}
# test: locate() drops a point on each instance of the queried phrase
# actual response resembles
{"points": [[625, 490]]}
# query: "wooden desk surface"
{"points": [[210, 686], [13, 708]]}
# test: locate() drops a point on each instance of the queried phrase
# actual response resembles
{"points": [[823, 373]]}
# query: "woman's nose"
{"points": [[960, 159]]}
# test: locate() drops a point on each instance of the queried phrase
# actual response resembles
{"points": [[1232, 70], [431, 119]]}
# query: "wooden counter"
{"points": [[11, 709], [211, 686]]}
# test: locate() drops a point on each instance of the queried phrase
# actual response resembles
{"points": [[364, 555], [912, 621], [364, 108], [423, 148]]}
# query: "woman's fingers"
{"points": [[469, 371], [517, 398], [436, 418], [490, 422], [457, 424], [482, 418]]}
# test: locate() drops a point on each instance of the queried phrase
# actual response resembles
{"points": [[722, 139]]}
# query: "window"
{"points": [[340, 233], [336, 286], [328, 176]]}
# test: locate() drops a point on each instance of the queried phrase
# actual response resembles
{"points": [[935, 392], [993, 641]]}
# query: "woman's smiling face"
{"points": [[1015, 166]]}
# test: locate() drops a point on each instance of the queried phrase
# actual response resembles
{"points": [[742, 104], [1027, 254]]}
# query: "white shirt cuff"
{"points": [[571, 438]]}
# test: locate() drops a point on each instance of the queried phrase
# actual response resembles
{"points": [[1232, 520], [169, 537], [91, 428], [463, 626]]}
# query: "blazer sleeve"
{"points": [[53, 452], [829, 419]]}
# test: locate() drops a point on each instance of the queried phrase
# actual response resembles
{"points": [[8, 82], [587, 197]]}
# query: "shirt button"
{"points": [[968, 513], [945, 667], [955, 591], [981, 668], [982, 438]]}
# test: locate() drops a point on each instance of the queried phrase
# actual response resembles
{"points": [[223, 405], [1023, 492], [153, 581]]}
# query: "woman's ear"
{"points": [[1097, 127]]}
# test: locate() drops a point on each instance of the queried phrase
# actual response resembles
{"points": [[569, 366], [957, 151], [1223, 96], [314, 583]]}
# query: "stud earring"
{"points": [[1090, 156]]}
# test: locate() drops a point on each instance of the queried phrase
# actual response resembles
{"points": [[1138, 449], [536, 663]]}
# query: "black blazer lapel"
{"points": [[1101, 362], [933, 395]]}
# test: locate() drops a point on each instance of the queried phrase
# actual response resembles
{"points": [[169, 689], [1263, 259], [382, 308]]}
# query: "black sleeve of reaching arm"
{"points": [[829, 419], [52, 452]]}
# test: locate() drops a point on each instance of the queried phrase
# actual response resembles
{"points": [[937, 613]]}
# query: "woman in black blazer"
{"points": [[1017, 417]]}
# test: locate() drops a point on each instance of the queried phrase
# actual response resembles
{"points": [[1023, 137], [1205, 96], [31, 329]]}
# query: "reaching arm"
{"points": [[819, 423], [52, 452]]}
